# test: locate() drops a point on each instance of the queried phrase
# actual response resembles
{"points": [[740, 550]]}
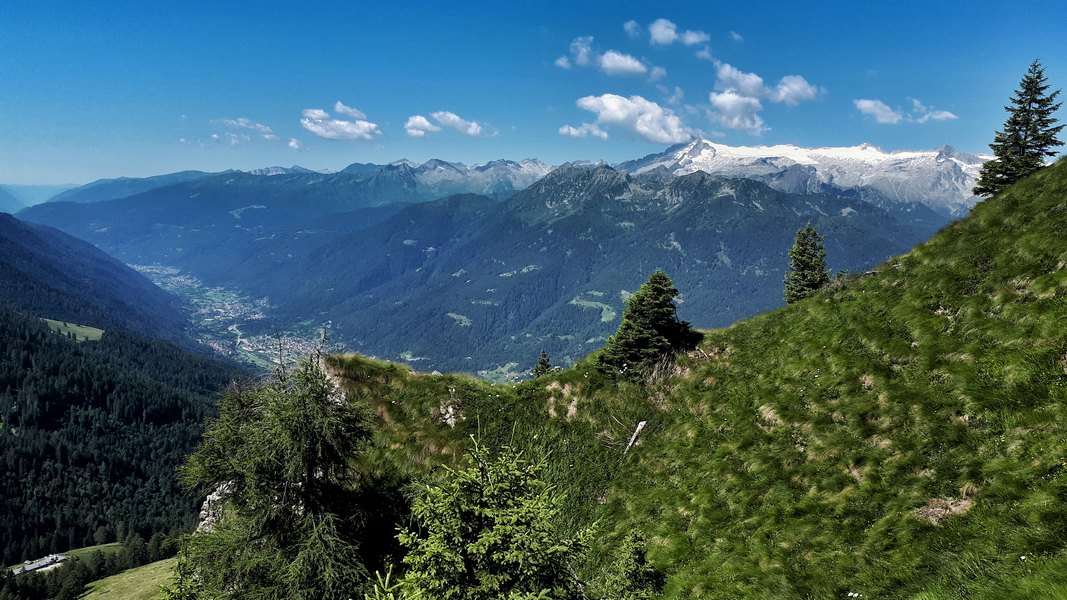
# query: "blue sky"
{"points": [[104, 89]]}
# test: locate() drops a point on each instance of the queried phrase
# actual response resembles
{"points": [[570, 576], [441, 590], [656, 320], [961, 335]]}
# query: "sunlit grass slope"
{"points": [[142, 583], [906, 432], [903, 434]]}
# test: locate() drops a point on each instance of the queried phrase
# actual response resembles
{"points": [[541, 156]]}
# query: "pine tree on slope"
{"points": [[807, 265], [650, 331], [1028, 137], [543, 367]]}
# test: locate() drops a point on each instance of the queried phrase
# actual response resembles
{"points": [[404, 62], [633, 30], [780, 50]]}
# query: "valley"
{"points": [[217, 316]]}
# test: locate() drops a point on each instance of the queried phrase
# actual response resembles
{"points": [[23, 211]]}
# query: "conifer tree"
{"points": [[807, 265], [1028, 137], [543, 367], [490, 532], [279, 456], [650, 331]]}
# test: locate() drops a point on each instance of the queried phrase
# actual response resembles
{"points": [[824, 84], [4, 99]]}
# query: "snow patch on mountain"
{"points": [[941, 179], [273, 171], [498, 178]]}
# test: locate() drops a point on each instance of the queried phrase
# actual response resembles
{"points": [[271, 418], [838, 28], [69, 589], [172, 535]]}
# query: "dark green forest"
{"points": [[91, 434]]}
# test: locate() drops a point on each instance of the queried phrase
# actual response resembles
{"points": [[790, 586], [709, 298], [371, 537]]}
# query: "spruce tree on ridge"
{"points": [[807, 265], [1028, 137]]}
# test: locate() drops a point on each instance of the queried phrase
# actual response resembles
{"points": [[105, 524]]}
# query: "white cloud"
{"points": [[731, 78], [632, 29], [920, 113], [582, 50], [792, 90], [295, 144], [672, 97], [419, 126], [692, 38], [737, 37], [315, 114], [937, 115], [355, 113], [320, 123], [450, 119], [664, 33], [236, 139], [244, 123], [612, 62], [879, 110], [657, 73], [736, 111], [738, 102], [643, 117], [584, 130], [705, 54], [616, 63]]}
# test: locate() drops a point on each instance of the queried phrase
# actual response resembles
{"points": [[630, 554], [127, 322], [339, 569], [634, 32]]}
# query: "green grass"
{"points": [[142, 583], [798, 454], [82, 333], [84, 553]]}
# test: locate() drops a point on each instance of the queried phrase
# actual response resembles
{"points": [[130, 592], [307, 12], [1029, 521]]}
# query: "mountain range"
{"points": [[940, 179], [9, 203], [518, 256]]}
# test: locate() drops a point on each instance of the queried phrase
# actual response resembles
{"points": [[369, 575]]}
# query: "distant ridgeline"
{"points": [[91, 434], [50, 274], [482, 281], [898, 435]]}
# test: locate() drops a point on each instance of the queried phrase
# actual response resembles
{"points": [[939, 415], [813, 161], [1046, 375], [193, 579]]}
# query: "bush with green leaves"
{"points": [[491, 531], [632, 576], [650, 332], [279, 459]]}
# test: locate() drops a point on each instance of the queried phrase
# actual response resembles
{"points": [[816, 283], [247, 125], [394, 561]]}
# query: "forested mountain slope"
{"points": [[91, 434], [551, 268], [50, 274], [899, 435]]}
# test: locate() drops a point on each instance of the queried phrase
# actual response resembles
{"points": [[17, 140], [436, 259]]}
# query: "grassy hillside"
{"points": [[142, 583], [78, 333], [903, 434]]}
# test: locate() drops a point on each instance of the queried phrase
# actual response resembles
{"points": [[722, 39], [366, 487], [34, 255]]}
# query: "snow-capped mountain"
{"points": [[496, 179], [271, 171], [437, 178], [941, 179]]}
